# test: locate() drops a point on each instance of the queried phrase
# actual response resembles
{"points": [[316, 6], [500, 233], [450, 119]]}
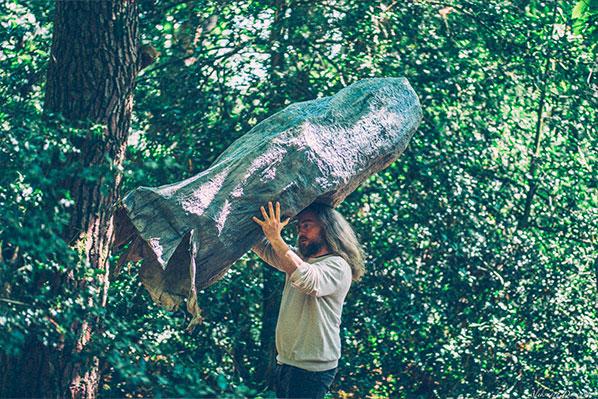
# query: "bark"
{"points": [[91, 77]]}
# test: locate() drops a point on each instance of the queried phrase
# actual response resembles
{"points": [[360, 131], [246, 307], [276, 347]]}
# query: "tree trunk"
{"points": [[91, 77]]}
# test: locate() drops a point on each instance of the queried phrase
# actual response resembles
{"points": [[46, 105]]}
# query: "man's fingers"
{"points": [[257, 221], [277, 210], [264, 213], [286, 222], [271, 209]]}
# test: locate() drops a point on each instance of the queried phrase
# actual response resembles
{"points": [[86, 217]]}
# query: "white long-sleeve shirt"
{"points": [[308, 327]]}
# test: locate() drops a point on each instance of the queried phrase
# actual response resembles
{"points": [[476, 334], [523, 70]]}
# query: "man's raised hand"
{"points": [[271, 225]]}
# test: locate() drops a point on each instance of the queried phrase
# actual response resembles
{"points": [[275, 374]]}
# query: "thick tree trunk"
{"points": [[91, 75]]}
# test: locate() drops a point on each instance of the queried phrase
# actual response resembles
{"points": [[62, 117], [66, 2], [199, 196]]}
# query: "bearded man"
{"points": [[319, 273]]}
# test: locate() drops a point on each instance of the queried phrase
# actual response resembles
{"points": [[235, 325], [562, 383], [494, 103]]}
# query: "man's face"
{"points": [[309, 237]]}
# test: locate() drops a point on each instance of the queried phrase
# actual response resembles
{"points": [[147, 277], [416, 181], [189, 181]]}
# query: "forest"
{"points": [[480, 240]]}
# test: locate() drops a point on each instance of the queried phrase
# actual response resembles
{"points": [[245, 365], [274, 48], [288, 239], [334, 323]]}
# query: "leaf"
{"points": [[580, 9], [221, 381]]}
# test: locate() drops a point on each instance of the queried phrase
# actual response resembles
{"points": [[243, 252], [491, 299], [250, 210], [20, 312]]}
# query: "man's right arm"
{"points": [[264, 250]]}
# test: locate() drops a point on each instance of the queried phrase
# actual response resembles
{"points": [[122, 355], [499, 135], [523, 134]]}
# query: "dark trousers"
{"points": [[293, 382]]}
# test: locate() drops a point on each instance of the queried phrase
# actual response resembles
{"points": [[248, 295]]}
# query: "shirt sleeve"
{"points": [[320, 278], [264, 250]]}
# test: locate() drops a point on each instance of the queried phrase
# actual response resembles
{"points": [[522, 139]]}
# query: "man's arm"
{"points": [[323, 279], [289, 259], [282, 257], [264, 250], [278, 254]]}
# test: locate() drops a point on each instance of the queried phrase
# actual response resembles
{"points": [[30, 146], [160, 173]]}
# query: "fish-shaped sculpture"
{"points": [[189, 233]]}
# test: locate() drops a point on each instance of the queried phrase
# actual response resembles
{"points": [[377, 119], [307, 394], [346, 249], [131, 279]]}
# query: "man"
{"points": [[318, 278]]}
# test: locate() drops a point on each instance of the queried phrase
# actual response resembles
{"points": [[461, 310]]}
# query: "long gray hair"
{"points": [[340, 237]]}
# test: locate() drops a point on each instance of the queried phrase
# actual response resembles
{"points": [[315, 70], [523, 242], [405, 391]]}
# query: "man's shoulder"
{"points": [[335, 261]]}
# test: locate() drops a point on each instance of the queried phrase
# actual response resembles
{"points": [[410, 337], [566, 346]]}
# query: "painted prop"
{"points": [[189, 233]]}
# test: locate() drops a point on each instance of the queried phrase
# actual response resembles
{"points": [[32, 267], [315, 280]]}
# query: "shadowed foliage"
{"points": [[480, 240]]}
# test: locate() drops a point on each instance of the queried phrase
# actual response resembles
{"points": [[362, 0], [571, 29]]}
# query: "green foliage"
{"points": [[481, 239]]}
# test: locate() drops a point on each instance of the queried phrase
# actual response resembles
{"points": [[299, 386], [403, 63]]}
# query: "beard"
{"points": [[309, 248]]}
